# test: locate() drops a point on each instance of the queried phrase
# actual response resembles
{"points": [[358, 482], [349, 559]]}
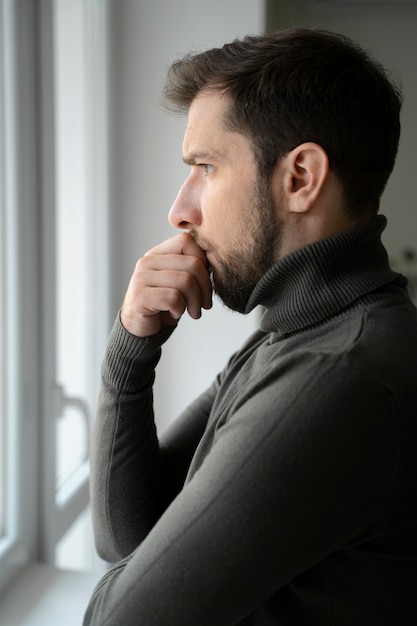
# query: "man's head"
{"points": [[226, 206], [299, 86]]}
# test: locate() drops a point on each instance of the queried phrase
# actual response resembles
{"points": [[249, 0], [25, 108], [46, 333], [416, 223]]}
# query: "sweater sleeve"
{"points": [[287, 481], [134, 476]]}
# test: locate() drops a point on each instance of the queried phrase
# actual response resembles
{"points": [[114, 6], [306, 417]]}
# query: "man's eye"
{"points": [[206, 167]]}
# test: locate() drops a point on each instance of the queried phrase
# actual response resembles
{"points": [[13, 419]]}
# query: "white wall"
{"points": [[146, 168]]}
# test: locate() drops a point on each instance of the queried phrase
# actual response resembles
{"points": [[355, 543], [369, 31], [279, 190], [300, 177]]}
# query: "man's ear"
{"points": [[305, 172]]}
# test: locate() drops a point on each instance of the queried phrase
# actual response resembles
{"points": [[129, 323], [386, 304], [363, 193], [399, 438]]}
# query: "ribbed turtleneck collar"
{"points": [[323, 278]]}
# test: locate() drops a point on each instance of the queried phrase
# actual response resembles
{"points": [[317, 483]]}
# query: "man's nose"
{"points": [[185, 211]]}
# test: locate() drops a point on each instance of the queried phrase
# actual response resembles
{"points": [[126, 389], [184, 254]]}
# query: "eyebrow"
{"points": [[198, 157]]}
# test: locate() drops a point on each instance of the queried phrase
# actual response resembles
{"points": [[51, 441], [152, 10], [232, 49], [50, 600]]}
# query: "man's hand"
{"points": [[169, 279]]}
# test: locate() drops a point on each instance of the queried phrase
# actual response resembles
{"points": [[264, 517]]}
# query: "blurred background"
{"points": [[89, 167]]}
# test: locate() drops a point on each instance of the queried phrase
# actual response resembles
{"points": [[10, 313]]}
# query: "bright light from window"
{"points": [[73, 229], [80, 292]]}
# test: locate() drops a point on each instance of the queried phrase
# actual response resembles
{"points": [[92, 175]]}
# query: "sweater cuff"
{"points": [[130, 361]]}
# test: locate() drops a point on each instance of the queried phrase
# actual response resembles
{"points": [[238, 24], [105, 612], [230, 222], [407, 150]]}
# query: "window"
{"points": [[53, 274]]}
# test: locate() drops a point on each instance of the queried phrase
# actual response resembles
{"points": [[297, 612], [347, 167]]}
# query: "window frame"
{"points": [[21, 286]]}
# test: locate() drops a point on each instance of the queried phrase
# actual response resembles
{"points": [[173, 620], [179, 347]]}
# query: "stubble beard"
{"points": [[254, 250]]}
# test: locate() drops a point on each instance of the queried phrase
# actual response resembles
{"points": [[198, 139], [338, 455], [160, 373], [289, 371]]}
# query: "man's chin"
{"points": [[233, 298]]}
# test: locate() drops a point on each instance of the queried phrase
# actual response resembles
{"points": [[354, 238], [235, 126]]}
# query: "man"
{"points": [[286, 493]]}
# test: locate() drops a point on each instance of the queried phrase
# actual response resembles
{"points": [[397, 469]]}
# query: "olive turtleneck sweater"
{"points": [[286, 493]]}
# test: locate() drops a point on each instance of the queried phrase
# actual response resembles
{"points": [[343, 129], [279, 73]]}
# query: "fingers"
{"points": [[188, 274], [183, 244], [170, 279]]}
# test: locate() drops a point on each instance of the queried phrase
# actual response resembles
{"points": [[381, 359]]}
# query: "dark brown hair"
{"points": [[301, 85]]}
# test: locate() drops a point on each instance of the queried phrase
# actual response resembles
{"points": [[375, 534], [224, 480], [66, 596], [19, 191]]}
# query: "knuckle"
{"points": [[142, 265], [194, 264], [139, 265], [187, 281], [174, 299]]}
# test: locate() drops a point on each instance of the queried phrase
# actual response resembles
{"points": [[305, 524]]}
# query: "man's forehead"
{"points": [[206, 135], [208, 113], [208, 140], [209, 102]]}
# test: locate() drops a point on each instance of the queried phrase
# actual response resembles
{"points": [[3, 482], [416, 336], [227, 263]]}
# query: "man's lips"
{"points": [[200, 243]]}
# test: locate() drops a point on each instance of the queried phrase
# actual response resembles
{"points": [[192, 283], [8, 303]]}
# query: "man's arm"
{"points": [[287, 481], [133, 476]]}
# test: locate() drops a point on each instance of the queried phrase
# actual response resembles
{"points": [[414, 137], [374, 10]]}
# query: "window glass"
{"points": [[80, 252], [71, 237], [73, 243]]}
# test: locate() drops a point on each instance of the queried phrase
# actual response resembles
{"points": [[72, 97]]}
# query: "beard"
{"points": [[254, 249]]}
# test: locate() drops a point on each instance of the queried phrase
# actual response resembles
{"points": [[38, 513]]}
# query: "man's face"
{"points": [[224, 204]]}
